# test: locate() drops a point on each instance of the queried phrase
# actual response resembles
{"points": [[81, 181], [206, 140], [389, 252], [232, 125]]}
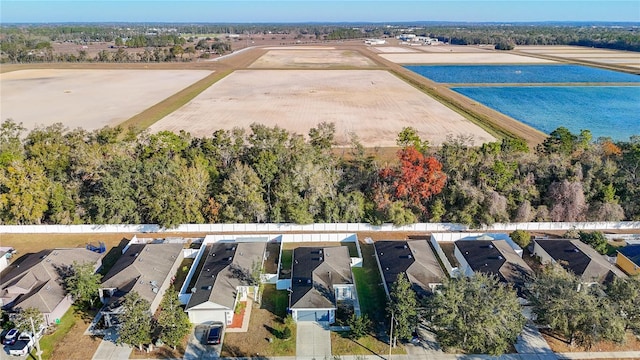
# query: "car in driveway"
{"points": [[214, 334], [11, 337]]}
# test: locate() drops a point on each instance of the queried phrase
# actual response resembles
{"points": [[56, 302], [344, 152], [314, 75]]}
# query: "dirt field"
{"points": [[463, 58], [603, 56], [373, 104], [392, 49], [311, 59], [90, 99]]}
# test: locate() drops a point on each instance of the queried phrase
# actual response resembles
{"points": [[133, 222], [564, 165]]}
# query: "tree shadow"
{"points": [[112, 256], [232, 351]]}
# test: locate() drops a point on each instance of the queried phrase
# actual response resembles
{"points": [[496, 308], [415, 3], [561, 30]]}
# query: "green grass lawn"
{"points": [[48, 342], [276, 301], [371, 293], [366, 345]]}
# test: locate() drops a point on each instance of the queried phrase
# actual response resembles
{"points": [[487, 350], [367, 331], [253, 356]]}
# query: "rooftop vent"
{"points": [[320, 251], [155, 290], [381, 253], [154, 283], [387, 269], [209, 287], [193, 290], [308, 281], [490, 246], [405, 246], [500, 257], [208, 270], [320, 258], [233, 248], [213, 254], [230, 258], [240, 253], [136, 254], [409, 256]]}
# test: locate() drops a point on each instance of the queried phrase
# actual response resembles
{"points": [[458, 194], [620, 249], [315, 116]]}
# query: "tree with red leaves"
{"points": [[418, 178]]}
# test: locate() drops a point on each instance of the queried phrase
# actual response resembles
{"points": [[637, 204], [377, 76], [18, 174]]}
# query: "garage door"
{"points": [[206, 316], [313, 315]]}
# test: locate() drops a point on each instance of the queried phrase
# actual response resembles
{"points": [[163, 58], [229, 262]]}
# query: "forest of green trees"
{"points": [[32, 43], [53, 175]]}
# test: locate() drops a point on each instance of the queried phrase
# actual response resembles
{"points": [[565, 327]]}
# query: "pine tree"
{"points": [[173, 321]]}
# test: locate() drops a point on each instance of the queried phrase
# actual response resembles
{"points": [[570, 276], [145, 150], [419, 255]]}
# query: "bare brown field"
{"points": [[311, 59], [392, 49], [463, 58], [590, 55], [373, 104], [90, 99], [454, 48]]}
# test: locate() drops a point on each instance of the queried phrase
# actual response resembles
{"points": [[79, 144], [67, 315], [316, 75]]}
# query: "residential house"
{"points": [[227, 277], [494, 257], [628, 259], [414, 258], [320, 278], [578, 258], [147, 268], [38, 281]]}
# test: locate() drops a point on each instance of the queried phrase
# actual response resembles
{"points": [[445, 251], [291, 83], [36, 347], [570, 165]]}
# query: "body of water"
{"points": [[607, 111], [520, 74]]}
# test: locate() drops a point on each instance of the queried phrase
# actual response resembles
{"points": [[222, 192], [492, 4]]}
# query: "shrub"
{"points": [[359, 326], [594, 239], [521, 237], [286, 333]]}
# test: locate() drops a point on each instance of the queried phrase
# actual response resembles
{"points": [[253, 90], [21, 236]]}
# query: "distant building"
{"points": [[578, 258], [414, 258], [37, 281], [225, 279], [320, 278], [375, 41], [628, 259], [147, 269]]}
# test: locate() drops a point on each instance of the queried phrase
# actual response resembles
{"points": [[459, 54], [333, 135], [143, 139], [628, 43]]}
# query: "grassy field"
{"points": [[68, 341], [367, 345], [368, 284]]}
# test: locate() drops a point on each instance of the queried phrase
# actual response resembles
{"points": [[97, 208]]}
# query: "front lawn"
{"points": [[367, 345], [265, 328], [68, 341]]}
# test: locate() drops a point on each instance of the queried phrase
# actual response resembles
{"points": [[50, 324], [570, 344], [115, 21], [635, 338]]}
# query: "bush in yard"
{"points": [[521, 237], [286, 333], [359, 326]]}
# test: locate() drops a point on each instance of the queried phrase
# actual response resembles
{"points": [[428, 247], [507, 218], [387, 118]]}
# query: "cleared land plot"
{"points": [[392, 49], [454, 48], [300, 48], [90, 99], [463, 58], [373, 104], [311, 58], [604, 56]]}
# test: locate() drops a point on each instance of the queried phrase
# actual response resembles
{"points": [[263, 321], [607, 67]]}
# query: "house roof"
{"points": [[581, 259], [631, 252], [143, 268], [226, 267], [415, 258], [315, 271], [494, 257], [37, 280]]}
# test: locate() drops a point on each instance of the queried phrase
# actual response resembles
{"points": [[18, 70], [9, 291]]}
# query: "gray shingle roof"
{"points": [[226, 267], [415, 258], [37, 282], [315, 271], [142, 268], [581, 259], [494, 257]]}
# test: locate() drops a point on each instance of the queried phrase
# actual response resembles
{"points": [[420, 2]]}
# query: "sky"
{"points": [[261, 11]]}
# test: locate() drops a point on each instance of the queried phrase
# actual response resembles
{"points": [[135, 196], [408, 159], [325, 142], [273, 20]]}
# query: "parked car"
{"points": [[22, 346], [214, 335], [11, 337]]}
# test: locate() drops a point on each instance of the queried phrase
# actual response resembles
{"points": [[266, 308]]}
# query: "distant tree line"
{"points": [[53, 175]]}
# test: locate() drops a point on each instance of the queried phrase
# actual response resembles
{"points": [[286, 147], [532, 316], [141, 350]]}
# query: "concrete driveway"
{"points": [[313, 340], [197, 348], [109, 349]]}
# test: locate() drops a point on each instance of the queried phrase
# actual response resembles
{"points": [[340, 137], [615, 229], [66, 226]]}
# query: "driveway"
{"points": [[313, 340], [197, 348], [109, 349]]}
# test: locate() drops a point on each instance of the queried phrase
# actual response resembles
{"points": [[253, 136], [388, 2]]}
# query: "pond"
{"points": [[607, 111], [520, 74]]}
